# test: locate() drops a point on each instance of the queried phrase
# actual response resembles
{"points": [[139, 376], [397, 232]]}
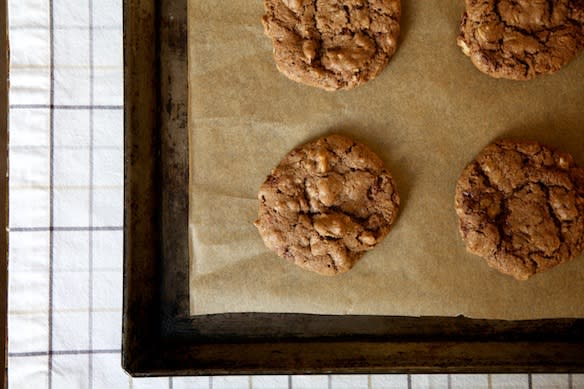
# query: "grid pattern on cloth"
{"points": [[66, 208]]}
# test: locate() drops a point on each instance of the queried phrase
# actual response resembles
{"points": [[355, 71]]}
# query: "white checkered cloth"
{"points": [[66, 206]]}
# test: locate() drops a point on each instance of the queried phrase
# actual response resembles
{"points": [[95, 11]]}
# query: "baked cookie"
{"points": [[521, 207], [326, 203], [332, 44], [521, 39]]}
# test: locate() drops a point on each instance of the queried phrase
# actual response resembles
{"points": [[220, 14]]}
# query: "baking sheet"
{"points": [[427, 115]]}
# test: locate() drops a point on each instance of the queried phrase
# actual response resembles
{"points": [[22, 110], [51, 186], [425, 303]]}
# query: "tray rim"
{"points": [[158, 340]]}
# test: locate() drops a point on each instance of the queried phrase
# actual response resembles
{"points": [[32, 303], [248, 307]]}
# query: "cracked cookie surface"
{"points": [[326, 203], [521, 207], [332, 44], [521, 39]]}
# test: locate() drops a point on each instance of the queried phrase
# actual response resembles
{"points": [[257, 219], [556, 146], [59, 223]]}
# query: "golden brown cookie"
{"points": [[332, 44], [521, 207], [521, 39], [326, 203]]}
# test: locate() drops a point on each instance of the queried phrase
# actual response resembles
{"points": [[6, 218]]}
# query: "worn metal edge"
{"points": [[278, 327], [141, 318], [356, 357], [174, 159]]}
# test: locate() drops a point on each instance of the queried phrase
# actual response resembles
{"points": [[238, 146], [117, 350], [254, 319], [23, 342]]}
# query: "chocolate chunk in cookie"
{"points": [[326, 203], [332, 44], [521, 207], [521, 39]]}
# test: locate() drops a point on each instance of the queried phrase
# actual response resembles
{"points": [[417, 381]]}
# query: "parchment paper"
{"points": [[427, 115]]}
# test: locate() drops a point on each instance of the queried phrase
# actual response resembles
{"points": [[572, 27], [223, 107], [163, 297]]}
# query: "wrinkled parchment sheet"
{"points": [[427, 115]]}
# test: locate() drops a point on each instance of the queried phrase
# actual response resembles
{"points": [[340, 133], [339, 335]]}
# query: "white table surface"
{"points": [[66, 206]]}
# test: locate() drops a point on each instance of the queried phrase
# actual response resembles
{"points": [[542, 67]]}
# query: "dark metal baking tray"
{"points": [[159, 335]]}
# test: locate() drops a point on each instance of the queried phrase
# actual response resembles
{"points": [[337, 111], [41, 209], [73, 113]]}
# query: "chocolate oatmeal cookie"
{"points": [[326, 203], [332, 44], [521, 39], [521, 207]]}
